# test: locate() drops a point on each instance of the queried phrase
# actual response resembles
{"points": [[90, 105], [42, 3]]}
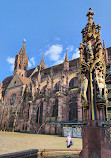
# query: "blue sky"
{"points": [[49, 26]]}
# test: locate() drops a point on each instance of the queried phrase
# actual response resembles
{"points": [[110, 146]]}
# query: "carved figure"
{"points": [[101, 84], [89, 51], [84, 87]]}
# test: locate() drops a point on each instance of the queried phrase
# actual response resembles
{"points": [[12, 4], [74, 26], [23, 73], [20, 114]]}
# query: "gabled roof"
{"points": [[6, 81], [29, 72], [35, 70]]}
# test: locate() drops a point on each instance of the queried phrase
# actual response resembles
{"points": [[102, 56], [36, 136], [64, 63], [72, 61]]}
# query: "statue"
{"points": [[89, 51], [84, 87], [101, 84]]}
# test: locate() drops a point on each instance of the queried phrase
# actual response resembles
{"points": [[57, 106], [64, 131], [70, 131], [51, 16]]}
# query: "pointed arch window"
{"points": [[73, 109], [39, 114], [55, 109], [12, 100], [71, 83], [57, 86], [11, 121]]}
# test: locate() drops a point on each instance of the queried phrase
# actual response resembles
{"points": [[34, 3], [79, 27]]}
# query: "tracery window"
{"points": [[55, 109], [73, 109], [11, 121], [57, 86], [28, 114], [12, 100], [24, 96], [71, 83], [39, 114]]}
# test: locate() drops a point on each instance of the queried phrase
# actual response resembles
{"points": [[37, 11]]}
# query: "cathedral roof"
{"points": [[7, 80], [55, 68], [109, 51], [29, 72]]}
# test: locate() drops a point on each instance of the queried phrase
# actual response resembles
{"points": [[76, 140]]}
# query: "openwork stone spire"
{"points": [[90, 16], [21, 61], [93, 69], [91, 30]]}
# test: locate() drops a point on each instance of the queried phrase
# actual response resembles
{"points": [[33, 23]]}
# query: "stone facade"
{"points": [[30, 98]]}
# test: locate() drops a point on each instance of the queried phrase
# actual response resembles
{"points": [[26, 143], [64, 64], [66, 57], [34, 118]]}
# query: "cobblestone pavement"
{"points": [[13, 142]]}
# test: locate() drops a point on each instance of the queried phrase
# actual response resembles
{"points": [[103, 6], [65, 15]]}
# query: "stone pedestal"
{"points": [[96, 141]]}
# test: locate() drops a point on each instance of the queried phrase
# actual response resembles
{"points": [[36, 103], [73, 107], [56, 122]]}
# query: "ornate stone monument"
{"points": [[96, 139]]}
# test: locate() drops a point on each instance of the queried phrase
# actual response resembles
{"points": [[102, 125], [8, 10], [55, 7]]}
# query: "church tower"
{"points": [[21, 62]]}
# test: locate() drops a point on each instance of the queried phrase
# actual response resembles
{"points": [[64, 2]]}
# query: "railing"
{"points": [[68, 123], [62, 123]]}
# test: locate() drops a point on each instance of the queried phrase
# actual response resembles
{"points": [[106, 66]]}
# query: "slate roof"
{"points": [[109, 51], [6, 81], [29, 72]]}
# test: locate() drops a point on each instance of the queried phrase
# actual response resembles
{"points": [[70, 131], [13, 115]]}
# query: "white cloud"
{"points": [[11, 61], [29, 64], [33, 61], [54, 52], [76, 54], [70, 48], [12, 67]]}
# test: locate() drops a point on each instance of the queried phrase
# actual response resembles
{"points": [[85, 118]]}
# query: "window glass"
{"points": [[55, 109], [71, 83], [57, 86], [12, 101], [73, 109]]}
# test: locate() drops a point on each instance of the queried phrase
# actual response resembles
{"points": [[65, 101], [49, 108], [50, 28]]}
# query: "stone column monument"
{"points": [[96, 139]]}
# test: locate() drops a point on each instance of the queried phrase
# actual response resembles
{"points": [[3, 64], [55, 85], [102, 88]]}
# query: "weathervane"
{"points": [[24, 41]]}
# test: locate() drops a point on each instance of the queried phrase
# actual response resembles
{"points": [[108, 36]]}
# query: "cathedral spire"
{"points": [[42, 63], [23, 51], [91, 30], [66, 57], [21, 61]]}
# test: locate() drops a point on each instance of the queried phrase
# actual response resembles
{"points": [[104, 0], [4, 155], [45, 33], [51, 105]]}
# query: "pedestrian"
{"points": [[69, 141]]}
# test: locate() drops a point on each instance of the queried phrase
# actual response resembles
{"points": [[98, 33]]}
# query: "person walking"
{"points": [[69, 141]]}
